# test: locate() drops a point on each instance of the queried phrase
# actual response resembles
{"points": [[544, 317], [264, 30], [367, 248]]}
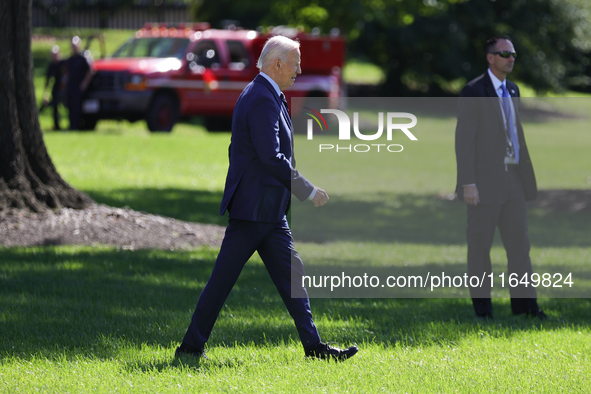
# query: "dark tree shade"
{"points": [[28, 178], [435, 46]]}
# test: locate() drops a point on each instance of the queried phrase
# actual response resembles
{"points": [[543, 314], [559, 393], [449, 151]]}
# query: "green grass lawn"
{"points": [[179, 175], [101, 319], [362, 72], [82, 319]]}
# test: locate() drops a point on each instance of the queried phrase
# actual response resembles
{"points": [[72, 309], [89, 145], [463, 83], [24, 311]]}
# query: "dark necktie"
{"points": [[509, 115], [285, 109]]}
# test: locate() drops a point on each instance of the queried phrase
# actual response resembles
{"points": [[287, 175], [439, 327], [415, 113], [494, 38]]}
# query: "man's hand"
{"points": [[86, 81], [471, 195], [320, 198]]}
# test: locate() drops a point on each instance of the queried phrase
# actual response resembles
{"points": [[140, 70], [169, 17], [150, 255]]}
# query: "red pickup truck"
{"points": [[163, 74]]}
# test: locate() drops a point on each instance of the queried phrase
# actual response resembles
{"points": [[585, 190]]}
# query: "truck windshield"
{"points": [[153, 47]]}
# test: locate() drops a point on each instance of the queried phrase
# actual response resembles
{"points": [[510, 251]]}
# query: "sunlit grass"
{"points": [[101, 319], [88, 319], [360, 72]]}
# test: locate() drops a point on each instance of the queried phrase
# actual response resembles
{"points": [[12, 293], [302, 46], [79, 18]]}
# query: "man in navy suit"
{"points": [[495, 178], [257, 195]]}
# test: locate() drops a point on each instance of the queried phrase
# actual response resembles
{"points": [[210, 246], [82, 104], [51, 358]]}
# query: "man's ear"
{"points": [[489, 58]]}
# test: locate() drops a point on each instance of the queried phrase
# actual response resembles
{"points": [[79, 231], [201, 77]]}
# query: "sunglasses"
{"points": [[506, 54]]}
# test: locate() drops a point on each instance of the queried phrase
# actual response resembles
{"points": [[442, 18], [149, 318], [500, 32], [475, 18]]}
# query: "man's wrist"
{"points": [[312, 195]]}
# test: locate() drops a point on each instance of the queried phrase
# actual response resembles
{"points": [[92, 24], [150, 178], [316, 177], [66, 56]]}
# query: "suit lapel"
{"points": [[287, 121], [284, 114]]}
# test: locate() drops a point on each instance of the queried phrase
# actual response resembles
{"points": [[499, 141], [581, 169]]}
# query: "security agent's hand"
{"points": [[471, 195], [320, 198]]}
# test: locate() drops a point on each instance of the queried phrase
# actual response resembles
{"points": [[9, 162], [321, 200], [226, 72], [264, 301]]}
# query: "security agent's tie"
{"points": [[512, 140]]}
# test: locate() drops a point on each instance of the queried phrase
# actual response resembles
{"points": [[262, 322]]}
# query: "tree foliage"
{"points": [[249, 13], [551, 38], [436, 45]]}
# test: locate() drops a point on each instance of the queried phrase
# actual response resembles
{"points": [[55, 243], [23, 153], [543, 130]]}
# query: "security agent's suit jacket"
{"points": [[262, 173], [481, 142]]}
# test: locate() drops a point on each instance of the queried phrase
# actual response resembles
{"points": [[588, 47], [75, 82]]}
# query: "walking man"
{"points": [[257, 195]]}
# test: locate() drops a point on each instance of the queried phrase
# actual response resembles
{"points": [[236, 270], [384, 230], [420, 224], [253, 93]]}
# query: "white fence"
{"points": [[133, 18]]}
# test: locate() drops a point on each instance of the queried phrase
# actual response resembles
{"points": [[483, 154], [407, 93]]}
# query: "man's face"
{"points": [[288, 70], [498, 64]]}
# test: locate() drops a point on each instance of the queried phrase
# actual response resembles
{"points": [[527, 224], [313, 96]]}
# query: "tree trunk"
{"points": [[28, 178]]}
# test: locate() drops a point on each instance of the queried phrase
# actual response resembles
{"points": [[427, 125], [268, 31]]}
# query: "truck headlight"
{"points": [[136, 82]]}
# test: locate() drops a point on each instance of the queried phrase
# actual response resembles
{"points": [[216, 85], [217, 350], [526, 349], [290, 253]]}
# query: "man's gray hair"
{"points": [[276, 47]]}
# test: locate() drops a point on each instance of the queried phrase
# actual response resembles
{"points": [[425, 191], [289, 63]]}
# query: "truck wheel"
{"points": [[87, 123], [218, 123], [163, 113]]}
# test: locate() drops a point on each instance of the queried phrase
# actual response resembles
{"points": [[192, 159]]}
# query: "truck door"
{"points": [[200, 93], [241, 67]]}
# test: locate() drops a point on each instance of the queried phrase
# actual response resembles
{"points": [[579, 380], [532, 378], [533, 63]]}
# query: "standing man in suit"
{"points": [[79, 76], [495, 178], [257, 195], [55, 71]]}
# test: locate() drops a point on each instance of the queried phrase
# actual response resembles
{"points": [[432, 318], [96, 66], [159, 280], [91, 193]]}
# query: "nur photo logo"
{"points": [[392, 120]]}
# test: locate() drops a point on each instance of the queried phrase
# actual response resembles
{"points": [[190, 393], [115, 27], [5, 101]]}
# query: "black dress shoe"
{"points": [[324, 351], [180, 352], [539, 314], [485, 316]]}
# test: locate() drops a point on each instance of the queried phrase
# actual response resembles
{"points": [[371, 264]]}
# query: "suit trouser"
{"points": [[274, 244], [55, 100], [74, 108], [510, 216]]}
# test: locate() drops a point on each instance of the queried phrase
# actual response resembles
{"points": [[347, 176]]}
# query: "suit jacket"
{"points": [[481, 142], [262, 173]]}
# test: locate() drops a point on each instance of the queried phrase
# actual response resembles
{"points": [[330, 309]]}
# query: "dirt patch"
{"points": [[105, 225]]}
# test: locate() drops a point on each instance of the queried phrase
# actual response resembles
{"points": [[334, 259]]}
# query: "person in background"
{"points": [[495, 178], [79, 76], [55, 72]]}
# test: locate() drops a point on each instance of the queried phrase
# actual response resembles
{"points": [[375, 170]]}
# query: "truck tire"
{"points": [[87, 123], [162, 114]]}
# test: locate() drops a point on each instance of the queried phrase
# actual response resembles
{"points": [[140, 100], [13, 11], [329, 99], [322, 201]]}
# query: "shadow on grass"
{"points": [[356, 278], [419, 219], [60, 301], [422, 219], [183, 204]]}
